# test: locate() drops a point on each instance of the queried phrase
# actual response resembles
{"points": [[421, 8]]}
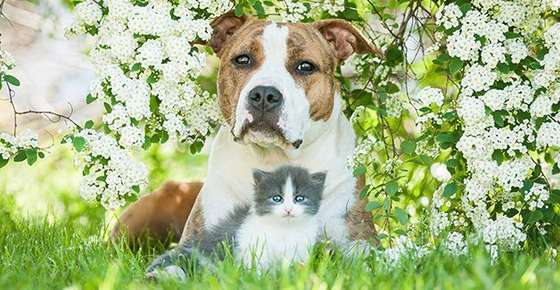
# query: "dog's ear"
{"points": [[344, 38], [224, 27]]}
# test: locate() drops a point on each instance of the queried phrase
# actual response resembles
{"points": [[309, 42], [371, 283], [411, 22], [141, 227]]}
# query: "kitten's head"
{"points": [[289, 192]]}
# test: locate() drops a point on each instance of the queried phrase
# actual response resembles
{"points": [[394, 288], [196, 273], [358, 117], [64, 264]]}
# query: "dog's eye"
{"points": [[299, 198], [277, 199], [242, 60], [306, 68]]}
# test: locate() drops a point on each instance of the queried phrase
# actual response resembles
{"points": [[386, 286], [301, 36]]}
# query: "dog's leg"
{"points": [[159, 215]]}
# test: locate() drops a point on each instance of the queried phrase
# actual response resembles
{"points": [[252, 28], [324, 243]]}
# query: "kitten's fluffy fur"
{"points": [[279, 225]]}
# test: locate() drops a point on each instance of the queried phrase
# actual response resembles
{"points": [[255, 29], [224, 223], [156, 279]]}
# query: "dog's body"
{"points": [[280, 100]]}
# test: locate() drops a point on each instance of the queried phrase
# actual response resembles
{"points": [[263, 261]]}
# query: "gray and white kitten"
{"points": [[280, 224]]}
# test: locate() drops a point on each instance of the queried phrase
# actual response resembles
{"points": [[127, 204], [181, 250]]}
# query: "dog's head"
{"points": [[277, 80]]}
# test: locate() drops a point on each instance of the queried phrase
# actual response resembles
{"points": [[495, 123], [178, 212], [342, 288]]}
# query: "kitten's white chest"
{"points": [[266, 241]]}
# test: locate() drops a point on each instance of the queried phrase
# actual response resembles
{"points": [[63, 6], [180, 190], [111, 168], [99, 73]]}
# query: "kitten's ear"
{"points": [[259, 175], [319, 178]]}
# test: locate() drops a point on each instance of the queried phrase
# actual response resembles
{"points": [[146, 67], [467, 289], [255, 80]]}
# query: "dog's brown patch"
{"points": [[160, 215], [231, 79], [305, 43], [359, 221], [195, 223]]}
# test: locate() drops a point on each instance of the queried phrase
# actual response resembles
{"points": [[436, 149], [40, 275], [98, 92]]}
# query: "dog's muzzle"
{"points": [[264, 106]]}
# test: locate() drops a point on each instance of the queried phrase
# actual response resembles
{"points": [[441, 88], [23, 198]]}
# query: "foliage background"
{"points": [[396, 157]]}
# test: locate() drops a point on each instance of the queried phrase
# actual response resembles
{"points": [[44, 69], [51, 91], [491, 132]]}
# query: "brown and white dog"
{"points": [[280, 99]]}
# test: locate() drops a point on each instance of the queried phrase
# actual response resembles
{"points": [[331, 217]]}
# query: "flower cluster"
{"points": [[147, 64], [507, 105], [295, 11], [109, 171], [6, 62], [11, 145]]}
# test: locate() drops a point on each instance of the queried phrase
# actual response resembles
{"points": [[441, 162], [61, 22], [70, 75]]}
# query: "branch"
{"points": [[47, 114]]}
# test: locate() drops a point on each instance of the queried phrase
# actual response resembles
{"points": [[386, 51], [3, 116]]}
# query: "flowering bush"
{"points": [[463, 108]]}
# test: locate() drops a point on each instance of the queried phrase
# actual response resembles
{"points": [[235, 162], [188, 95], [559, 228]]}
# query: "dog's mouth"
{"points": [[265, 134]]}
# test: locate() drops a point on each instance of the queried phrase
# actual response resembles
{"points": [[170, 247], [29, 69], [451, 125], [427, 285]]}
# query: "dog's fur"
{"points": [[308, 129]]}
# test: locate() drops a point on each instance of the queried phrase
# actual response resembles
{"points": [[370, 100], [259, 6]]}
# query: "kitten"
{"points": [[280, 224]]}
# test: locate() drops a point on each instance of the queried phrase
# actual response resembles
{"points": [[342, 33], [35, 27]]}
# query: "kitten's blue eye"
{"points": [[277, 199], [299, 198]]}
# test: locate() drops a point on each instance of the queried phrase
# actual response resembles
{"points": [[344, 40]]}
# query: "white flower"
{"points": [[428, 96], [516, 49], [439, 172], [493, 54], [151, 53], [548, 135], [463, 46], [537, 196], [478, 78], [456, 244], [471, 110], [541, 106], [494, 99], [552, 36], [332, 7], [448, 16], [294, 11], [123, 46], [132, 137], [88, 12]]}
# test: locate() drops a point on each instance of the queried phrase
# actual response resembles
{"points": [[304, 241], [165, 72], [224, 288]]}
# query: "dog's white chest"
{"points": [[230, 181]]}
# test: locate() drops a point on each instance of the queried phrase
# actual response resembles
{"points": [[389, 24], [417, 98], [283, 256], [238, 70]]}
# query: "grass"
{"points": [[51, 239], [38, 254]]}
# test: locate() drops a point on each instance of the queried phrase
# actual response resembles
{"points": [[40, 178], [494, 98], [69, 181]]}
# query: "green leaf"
{"points": [[3, 162], [372, 205], [136, 188], [12, 80], [446, 140], [79, 143], [89, 124], [90, 99], [393, 56], [401, 215], [359, 171], [20, 156], [391, 187], [555, 169], [259, 9], [408, 147], [239, 10], [196, 147], [41, 154], [391, 88], [136, 67], [108, 107], [455, 65], [450, 189], [364, 191], [152, 79], [31, 155], [442, 58], [534, 217]]}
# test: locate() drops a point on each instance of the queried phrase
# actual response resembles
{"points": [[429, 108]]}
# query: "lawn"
{"points": [[37, 254], [51, 239]]}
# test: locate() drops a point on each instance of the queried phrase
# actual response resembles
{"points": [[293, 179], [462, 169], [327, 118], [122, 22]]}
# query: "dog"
{"points": [[281, 104]]}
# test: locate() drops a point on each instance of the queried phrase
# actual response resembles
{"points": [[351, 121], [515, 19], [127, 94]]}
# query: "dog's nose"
{"points": [[265, 98]]}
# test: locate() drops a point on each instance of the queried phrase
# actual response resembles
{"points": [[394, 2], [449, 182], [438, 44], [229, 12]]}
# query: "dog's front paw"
{"points": [[170, 272]]}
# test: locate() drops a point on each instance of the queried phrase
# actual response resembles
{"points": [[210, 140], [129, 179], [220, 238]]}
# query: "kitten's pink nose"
{"points": [[288, 211]]}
